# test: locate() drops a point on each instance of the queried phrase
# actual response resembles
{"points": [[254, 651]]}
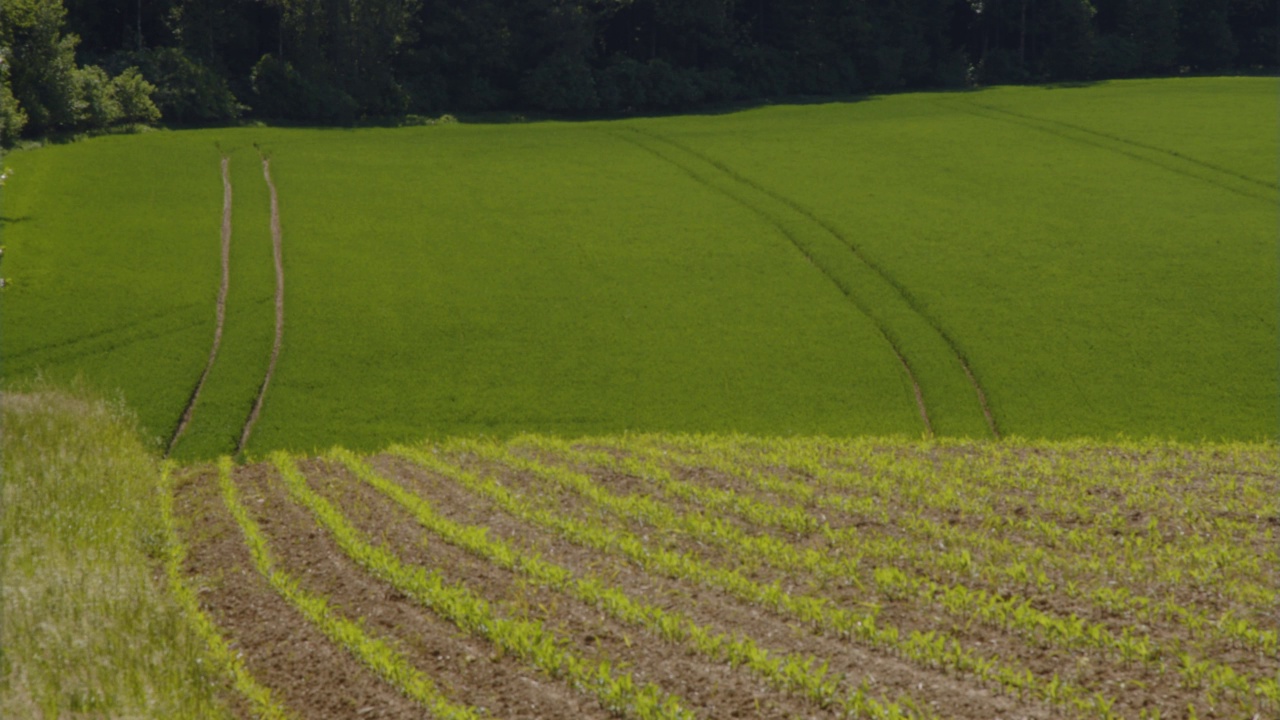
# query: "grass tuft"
{"points": [[87, 629]]}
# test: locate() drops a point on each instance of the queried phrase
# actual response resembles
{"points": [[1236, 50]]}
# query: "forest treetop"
{"points": [[78, 64]]}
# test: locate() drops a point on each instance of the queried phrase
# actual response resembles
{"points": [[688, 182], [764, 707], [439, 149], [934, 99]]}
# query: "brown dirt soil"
{"points": [[308, 674], [1002, 503], [1102, 494], [220, 309], [711, 689], [284, 651], [468, 669], [887, 676], [1134, 686]]}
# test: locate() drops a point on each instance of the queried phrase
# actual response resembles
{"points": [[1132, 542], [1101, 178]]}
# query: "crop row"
{"points": [[529, 640], [1215, 498], [1065, 493], [259, 697], [1229, 479], [1005, 561], [525, 639], [757, 535], [1006, 609], [804, 675], [969, 605], [932, 648], [986, 552], [378, 655]]}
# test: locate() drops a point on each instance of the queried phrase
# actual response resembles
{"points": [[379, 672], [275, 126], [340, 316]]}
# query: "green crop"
{"points": [[525, 639], [930, 648], [802, 675], [377, 654], [224, 404], [1101, 271], [264, 706]]}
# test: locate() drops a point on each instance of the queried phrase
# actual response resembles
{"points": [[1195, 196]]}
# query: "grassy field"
{"points": [[86, 628], [670, 576], [634, 576], [1096, 261], [748, 321]]}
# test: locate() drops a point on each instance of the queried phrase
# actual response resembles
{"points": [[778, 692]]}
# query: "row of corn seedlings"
{"points": [[262, 704], [801, 675], [530, 641], [969, 605], [929, 649], [1006, 610], [1195, 554], [989, 555], [378, 655]]}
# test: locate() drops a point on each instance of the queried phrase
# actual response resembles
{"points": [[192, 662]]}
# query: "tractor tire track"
{"points": [[221, 311], [894, 345], [277, 252], [1106, 142], [1134, 143], [901, 290], [101, 347], [107, 335]]}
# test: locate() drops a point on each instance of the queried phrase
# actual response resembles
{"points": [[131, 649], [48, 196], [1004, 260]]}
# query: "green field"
{"points": [[639, 577], [1102, 259]]}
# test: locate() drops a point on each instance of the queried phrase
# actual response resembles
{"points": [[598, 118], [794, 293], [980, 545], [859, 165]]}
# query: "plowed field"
{"points": [[662, 576]]}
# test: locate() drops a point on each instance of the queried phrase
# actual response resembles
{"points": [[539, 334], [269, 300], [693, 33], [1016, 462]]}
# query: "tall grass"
{"points": [[86, 627]]}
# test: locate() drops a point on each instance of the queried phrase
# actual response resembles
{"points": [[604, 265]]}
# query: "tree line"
{"points": [[75, 64]]}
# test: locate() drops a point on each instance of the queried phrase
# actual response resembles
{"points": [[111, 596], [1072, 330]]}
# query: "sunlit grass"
{"points": [[87, 629], [1102, 258]]}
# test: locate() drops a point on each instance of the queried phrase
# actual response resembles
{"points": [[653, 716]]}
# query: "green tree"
{"points": [[12, 117], [43, 70], [1066, 33], [350, 45], [97, 106], [46, 85], [132, 94], [1205, 39]]}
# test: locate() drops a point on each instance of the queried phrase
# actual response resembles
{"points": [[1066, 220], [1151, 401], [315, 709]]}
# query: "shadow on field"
{"points": [[502, 117], [511, 117]]}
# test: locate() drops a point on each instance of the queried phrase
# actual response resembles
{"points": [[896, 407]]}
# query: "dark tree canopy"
{"points": [[339, 60]]}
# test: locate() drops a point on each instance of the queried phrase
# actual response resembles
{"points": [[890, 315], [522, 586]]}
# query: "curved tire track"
{"points": [[1145, 146], [854, 249], [277, 252], [221, 311], [103, 346], [858, 253], [107, 335], [799, 246], [1104, 141]]}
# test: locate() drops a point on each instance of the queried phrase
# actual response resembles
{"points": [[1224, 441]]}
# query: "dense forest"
{"points": [[69, 65]]}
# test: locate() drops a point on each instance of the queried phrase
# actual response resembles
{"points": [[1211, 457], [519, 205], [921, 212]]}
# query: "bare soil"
{"points": [[317, 679]]}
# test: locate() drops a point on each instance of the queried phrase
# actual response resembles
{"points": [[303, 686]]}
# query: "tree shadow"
{"points": [[525, 117]]}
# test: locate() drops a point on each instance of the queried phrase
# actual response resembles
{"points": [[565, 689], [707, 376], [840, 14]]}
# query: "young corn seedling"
{"points": [[263, 705], [376, 654], [454, 602]]}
